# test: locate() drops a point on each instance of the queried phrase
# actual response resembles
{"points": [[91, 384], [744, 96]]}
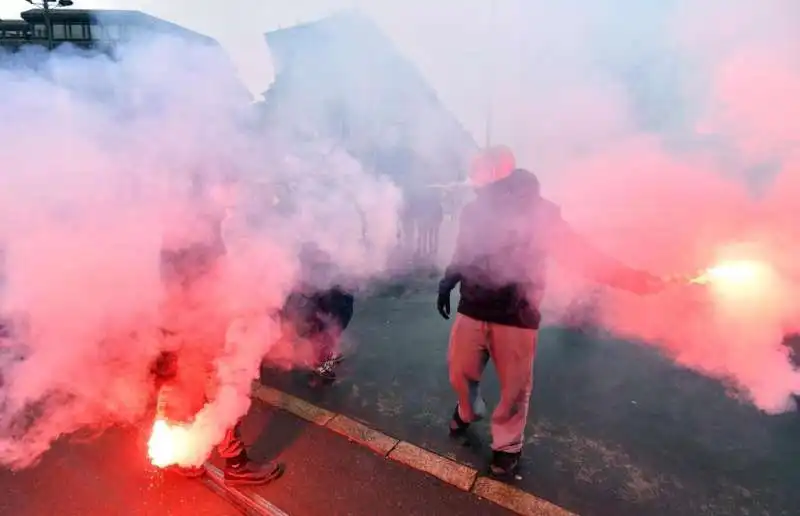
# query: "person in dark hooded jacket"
{"points": [[189, 272], [506, 236], [320, 309]]}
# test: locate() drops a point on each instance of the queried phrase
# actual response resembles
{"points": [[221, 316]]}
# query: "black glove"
{"points": [[443, 303]]}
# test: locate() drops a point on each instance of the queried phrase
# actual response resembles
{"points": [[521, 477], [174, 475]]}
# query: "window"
{"points": [[40, 31], [77, 31], [96, 32], [59, 31], [16, 34]]}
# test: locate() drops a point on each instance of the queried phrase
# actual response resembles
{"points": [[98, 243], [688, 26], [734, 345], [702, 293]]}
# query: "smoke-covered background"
{"points": [[667, 132], [107, 162]]}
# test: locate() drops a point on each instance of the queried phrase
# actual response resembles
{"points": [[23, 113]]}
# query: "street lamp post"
{"points": [[45, 5], [491, 71]]}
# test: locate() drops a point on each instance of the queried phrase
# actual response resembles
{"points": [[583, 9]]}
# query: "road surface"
{"points": [[615, 429], [106, 475], [326, 474]]}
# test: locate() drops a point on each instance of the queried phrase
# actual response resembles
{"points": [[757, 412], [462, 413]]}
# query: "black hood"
{"points": [[520, 185]]}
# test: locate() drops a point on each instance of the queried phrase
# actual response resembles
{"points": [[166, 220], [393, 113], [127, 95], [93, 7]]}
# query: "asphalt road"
{"points": [[327, 474], [107, 475], [615, 429]]}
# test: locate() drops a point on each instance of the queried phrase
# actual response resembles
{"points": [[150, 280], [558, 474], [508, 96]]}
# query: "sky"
{"points": [[451, 32], [556, 77]]}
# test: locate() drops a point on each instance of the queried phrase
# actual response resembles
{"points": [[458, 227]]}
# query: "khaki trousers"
{"points": [[472, 344]]}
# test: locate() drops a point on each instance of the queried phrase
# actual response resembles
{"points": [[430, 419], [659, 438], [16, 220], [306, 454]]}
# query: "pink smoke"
{"points": [[672, 208], [83, 218], [101, 163]]}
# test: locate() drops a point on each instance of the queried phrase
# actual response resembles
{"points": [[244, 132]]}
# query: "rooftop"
{"points": [[102, 17], [361, 32], [13, 24], [343, 77]]}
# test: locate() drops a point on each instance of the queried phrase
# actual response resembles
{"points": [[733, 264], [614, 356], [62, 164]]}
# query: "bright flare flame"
{"points": [[168, 444], [743, 288], [736, 274]]}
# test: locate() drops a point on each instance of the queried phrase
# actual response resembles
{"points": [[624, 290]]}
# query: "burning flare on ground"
{"points": [[169, 444]]}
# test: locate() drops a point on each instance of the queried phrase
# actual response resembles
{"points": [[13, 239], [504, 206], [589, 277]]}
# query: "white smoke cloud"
{"points": [[101, 158]]}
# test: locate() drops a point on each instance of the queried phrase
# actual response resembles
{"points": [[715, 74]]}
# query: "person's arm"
{"points": [[575, 252]]}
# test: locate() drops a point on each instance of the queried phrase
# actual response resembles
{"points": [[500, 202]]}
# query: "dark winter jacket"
{"points": [[505, 238], [318, 303], [316, 312]]}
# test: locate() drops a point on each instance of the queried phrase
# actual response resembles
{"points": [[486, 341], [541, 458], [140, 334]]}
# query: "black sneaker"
{"points": [[336, 358], [457, 425], [253, 473], [326, 370], [504, 465]]}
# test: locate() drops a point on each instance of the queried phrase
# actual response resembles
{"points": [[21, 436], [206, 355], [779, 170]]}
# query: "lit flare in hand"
{"points": [[734, 273], [743, 287]]}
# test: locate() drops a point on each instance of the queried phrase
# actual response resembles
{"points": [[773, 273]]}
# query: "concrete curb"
{"points": [[454, 473], [250, 503]]}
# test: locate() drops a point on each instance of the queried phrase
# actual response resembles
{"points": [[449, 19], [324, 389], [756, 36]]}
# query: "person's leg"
{"points": [[419, 246], [325, 343], [239, 469], [467, 357], [421, 241], [174, 399], [231, 447], [335, 315], [343, 314], [346, 308], [512, 350]]}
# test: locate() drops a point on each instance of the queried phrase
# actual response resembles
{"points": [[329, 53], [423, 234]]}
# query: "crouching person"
{"points": [[319, 310], [185, 372]]}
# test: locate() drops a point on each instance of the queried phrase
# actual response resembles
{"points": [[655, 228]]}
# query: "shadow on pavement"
{"points": [[327, 474], [268, 438]]}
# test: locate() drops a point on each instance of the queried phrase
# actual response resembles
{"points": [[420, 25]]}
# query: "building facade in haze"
{"points": [[104, 31], [341, 79], [88, 29]]}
